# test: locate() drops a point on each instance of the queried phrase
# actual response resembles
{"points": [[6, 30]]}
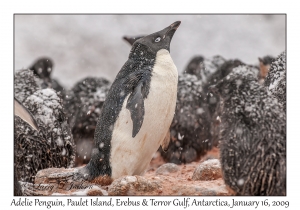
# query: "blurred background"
{"points": [[92, 45]]}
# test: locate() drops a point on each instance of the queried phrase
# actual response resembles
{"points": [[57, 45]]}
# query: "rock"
{"points": [[167, 168], [210, 157], [134, 185], [51, 175], [61, 181], [29, 189], [95, 192], [65, 182], [191, 190], [208, 170]]}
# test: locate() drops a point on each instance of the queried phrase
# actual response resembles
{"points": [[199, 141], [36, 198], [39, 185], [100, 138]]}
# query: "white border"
{"points": [[8, 8]]}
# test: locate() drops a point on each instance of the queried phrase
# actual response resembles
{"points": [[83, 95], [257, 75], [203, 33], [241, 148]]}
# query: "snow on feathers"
{"points": [[253, 136], [275, 81]]}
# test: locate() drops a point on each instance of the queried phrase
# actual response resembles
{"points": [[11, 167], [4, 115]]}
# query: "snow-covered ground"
{"points": [[92, 45]]}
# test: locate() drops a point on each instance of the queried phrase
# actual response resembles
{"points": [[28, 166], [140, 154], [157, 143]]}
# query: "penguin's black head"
{"points": [[159, 40], [193, 65], [266, 60], [264, 65], [42, 67]]}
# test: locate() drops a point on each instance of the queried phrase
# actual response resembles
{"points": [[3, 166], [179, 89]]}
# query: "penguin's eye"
{"points": [[157, 39]]}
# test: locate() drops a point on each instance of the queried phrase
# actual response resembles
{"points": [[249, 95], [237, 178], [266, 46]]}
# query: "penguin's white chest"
{"points": [[131, 156]]}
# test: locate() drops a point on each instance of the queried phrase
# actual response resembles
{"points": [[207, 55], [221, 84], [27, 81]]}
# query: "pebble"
{"points": [[167, 168], [208, 170]]}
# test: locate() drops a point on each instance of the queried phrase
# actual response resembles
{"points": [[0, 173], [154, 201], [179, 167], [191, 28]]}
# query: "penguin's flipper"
{"points": [[166, 141], [24, 114], [135, 104]]}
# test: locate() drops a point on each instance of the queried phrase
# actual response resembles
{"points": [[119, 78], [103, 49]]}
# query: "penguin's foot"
{"points": [[102, 180]]}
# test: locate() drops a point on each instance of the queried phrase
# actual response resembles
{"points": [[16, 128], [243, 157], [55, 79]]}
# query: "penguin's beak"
{"points": [[175, 25], [171, 29]]}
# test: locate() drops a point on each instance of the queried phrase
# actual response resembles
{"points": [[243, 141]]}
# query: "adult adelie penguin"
{"points": [[189, 130], [138, 111]]}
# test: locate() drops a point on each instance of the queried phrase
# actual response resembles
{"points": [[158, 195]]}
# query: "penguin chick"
{"points": [[132, 39], [190, 128], [193, 66], [219, 74], [43, 68], [26, 116], [264, 66], [26, 83], [224, 69], [275, 81], [138, 110], [212, 100], [252, 137], [83, 104], [52, 145], [203, 68]]}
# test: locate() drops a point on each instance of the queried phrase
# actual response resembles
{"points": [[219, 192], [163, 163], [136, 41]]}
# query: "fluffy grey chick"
{"points": [[212, 100], [253, 135], [203, 67], [43, 68], [275, 81], [83, 104], [52, 145], [214, 78], [25, 84]]}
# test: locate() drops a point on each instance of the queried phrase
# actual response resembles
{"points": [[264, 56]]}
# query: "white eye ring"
{"points": [[157, 39]]}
